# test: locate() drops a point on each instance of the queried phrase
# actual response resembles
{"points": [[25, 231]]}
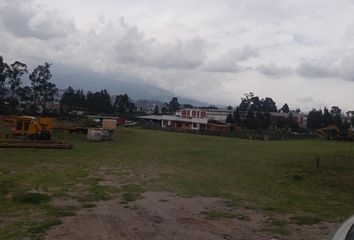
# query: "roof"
{"points": [[174, 118], [25, 118], [207, 110], [279, 114]]}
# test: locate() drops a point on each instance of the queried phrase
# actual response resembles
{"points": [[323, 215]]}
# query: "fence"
{"points": [[240, 133]]}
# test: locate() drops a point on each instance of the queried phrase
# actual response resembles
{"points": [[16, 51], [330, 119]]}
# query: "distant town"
{"points": [[42, 97]]}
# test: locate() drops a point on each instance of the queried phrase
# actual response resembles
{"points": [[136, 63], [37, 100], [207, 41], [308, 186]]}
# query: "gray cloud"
{"points": [[274, 70], [174, 47], [316, 70], [133, 47], [322, 68], [229, 62], [346, 69], [24, 19]]}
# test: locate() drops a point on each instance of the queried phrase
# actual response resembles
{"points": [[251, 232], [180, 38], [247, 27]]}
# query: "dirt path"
{"points": [[164, 216]]}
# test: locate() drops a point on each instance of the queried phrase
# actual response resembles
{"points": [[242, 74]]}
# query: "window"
{"points": [[19, 126], [27, 126]]}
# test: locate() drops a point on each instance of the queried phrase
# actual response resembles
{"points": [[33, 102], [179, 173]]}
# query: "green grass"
{"points": [[130, 193], [37, 230], [276, 176], [31, 198]]}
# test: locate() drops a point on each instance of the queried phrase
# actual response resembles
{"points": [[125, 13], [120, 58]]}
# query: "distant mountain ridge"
{"points": [[64, 76]]}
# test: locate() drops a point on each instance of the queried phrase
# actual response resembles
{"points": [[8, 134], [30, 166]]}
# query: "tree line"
{"points": [[99, 102], [255, 113], [15, 98], [319, 119], [35, 96]]}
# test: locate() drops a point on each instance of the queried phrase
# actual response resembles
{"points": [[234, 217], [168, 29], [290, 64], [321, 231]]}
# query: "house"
{"points": [[186, 119], [299, 118], [210, 114]]}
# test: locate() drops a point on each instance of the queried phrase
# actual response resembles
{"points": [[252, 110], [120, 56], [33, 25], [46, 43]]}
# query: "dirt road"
{"points": [[165, 216]]}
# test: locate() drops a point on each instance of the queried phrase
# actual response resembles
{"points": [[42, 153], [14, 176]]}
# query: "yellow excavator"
{"points": [[32, 128], [333, 132]]}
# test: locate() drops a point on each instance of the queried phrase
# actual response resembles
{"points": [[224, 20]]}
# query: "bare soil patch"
{"points": [[162, 215]]}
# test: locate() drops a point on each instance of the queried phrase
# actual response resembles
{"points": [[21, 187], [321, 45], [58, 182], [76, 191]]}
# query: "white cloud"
{"points": [[210, 50], [25, 19], [274, 70], [342, 68], [230, 61]]}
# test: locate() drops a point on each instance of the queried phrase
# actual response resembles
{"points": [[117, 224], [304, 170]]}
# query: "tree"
{"points": [[174, 105], [254, 103], [230, 118], [269, 105], [43, 90], [258, 121], [285, 108], [280, 122], [229, 108], [237, 117], [164, 109], [4, 71], [72, 100], [25, 95], [314, 119], [123, 105], [156, 110], [250, 121], [246, 102], [99, 102], [291, 123], [266, 121], [336, 113], [327, 118], [16, 71]]}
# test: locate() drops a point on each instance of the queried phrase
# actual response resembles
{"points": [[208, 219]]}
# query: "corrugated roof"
{"points": [[175, 118]]}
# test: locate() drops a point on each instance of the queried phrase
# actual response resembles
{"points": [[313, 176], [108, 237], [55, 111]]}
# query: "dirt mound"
{"points": [[165, 216]]}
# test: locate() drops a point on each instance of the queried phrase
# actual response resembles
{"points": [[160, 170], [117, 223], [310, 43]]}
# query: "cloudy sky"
{"points": [[300, 52]]}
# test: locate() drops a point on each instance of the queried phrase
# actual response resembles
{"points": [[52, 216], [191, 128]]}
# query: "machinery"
{"points": [[27, 127], [329, 132], [333, 132]]}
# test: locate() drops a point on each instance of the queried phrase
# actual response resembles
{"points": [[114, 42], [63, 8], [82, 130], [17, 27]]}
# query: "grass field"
{"points": [[312, 180]]}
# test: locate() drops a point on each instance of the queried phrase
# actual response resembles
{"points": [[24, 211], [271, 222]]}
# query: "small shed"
{"points": [[99, 134], [109, 124]]}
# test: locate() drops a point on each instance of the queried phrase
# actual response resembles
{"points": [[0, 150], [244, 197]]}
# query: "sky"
{"points": [[299, 52]]}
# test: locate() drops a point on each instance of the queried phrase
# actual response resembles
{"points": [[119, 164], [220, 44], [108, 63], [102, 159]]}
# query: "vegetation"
{"points": [[254, 113], [311, 180], [43, 90], [319, 119], [37, 95], [34, 98]]}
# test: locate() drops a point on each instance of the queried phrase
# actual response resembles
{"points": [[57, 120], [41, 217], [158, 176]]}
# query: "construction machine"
{"points": [[32, 128], [333, 132]]}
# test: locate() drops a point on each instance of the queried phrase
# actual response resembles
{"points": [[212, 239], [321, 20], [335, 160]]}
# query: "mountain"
{"points": [[65, 76]]}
